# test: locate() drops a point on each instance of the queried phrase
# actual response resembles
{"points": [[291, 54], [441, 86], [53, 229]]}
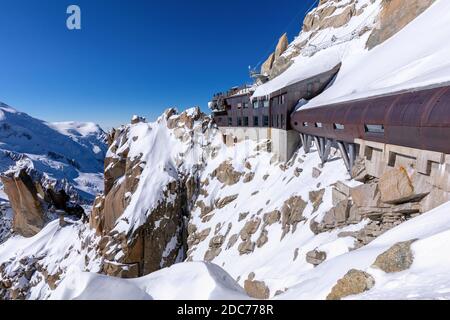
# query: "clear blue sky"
{"points": [[133, 56]]}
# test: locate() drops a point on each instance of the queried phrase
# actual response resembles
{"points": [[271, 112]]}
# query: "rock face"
{"points": [[354, 282], [34, 203], [282, 45], [163, 237], [29, 215], [395, 15], [257, 289], [398, 258]]}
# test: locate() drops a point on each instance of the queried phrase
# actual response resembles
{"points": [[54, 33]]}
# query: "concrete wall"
{"points": [[281, 142], [433, 167]]}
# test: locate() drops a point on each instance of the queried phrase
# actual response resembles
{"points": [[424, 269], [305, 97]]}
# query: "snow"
{"points": [[417, 56], [413, 57], [186, 281]]}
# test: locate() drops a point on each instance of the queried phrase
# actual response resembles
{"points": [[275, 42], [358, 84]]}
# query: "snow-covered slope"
{"points": [[184, 281], [417, 56], [72, 152]]}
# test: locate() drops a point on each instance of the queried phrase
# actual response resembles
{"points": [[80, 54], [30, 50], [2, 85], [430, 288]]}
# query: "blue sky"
{"points": [[133, 56]]}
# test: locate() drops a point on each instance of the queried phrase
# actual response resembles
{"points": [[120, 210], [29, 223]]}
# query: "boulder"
{"points": [[398, 258], [396, 186], [292, 211], [246, 247], [250, 228], [226, 174], [263, 238], [257, 289], [272, 217], [316, 257], [366, 195], [354, 282], [316, 198], [221, 203], [249, 177], [316, 173]]}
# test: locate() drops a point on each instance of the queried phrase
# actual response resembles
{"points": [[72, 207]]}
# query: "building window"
{"points": [[266, 103], [246, 105], [239, 105], [266, 121], [318, 125], [245, 121], [230, 121], [282, 99], [339, 126], [374, 128], [278, 120], [239, 122], [305, 124], [256, 121], [255, 104], [282, 121]]}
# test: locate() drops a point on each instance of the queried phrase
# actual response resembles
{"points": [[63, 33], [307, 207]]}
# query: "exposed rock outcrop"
{"points": [[35, 200], [316, 257], [29, 216], [257, 289], [395, 15], [354, 282], [226, 174], [163, 237], [398, 258]]}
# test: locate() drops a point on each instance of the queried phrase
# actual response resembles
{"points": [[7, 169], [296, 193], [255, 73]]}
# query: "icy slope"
{"points": [[61, 151], [417, 56]]}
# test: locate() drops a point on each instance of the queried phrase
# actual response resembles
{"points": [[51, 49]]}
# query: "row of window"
{"points": [[369, 128], [278, 121], [244, 121], [279, 100]]}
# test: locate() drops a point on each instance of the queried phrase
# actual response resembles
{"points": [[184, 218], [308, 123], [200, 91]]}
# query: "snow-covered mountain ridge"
{"points": [[63, 161]]}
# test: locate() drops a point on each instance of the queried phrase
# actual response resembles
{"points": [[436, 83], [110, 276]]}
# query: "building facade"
{"points": [[267, 119]]}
